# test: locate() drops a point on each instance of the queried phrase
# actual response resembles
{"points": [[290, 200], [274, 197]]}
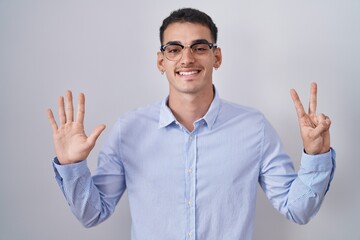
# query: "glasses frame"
{"points": [[202, 41]]}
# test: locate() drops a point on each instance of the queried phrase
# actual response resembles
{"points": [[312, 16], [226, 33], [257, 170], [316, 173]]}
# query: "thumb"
{"points": [[95, 134]]}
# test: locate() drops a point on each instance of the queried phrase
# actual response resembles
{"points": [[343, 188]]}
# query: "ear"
{"points": [[218, 57], [160, 62]]}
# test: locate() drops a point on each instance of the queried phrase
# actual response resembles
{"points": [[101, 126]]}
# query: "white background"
{"points": [[107, 49]]}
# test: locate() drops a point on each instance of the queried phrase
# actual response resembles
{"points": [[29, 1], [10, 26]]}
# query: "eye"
{"points": [[173, 49], [200, 48]]}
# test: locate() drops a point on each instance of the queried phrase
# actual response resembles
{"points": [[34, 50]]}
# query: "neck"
{"points": [[187, 108]]}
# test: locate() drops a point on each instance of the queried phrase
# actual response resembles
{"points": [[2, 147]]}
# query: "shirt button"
{"points": [[190, 234], [190, 139], [189, 202], [189, 171]]}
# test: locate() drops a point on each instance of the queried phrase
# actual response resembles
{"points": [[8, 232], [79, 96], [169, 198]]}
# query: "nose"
{"points": [[187, 56]]}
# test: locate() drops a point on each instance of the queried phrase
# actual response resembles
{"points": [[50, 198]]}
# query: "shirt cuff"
{"points": [[70, 171], [319, 162]]}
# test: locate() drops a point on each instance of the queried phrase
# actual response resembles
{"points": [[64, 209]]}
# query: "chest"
{"points": [[208, 158]]}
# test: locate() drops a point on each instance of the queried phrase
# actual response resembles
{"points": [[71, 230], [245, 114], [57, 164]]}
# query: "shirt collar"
{"points": [[167, 117]]}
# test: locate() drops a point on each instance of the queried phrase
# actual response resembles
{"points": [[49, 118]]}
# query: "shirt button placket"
{"points": [[190, 172]]}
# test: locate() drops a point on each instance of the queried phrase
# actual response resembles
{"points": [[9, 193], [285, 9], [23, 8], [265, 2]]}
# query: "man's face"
{"points": [[190, 74]]}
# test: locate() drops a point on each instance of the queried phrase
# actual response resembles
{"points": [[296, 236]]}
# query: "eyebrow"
{"points": [[192, 43]]}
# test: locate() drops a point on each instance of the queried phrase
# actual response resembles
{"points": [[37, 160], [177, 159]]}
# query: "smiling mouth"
{"points": [[188, 73]]}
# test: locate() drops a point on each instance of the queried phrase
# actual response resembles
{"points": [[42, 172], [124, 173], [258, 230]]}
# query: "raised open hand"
{"points": [[70, 141], [314, 128]]}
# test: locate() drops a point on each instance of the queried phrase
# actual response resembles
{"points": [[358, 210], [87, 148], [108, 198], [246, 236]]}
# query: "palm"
{"points": [[314, 128], [70, 141]]}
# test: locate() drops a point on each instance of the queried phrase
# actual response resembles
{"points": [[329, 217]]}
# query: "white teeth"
{"points": [[188, 73]]}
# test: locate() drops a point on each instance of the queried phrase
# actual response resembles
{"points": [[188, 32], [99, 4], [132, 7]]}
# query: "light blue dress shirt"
{"points": [[195, 185]]}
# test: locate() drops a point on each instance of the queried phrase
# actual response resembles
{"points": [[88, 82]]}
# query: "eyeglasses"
{"points": [[174, 50]]}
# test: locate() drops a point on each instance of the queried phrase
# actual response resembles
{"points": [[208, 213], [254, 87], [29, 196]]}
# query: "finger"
{"points": [[323, 119], [297, 103], [61, 109], [95, 134], [69, 107], [81, 109], [52, 120], [313, 98], [323, 125]]}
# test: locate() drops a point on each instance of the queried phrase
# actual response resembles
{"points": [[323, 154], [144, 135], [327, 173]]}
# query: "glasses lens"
{"points": [[200, 48], [173, 51]]}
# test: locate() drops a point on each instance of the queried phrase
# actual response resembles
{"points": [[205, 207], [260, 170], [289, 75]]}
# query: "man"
{"points": [[191, 163]]}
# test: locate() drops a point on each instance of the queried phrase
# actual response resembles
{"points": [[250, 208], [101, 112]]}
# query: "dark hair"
{"points": [[189, 15]]}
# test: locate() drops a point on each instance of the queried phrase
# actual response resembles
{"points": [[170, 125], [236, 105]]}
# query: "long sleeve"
{"points": [[92, 199], [309, 188], [296, 195]]}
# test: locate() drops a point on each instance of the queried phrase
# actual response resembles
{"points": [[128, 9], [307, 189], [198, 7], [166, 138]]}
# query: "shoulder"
{"points": [[231, 109], [146, 114]]}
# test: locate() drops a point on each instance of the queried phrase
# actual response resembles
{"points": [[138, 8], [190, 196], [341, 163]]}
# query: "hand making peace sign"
{"points": [[314, 128]]}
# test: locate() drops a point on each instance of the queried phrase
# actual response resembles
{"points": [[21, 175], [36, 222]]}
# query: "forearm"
{"points": [[308, 190], [82, 194]]}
